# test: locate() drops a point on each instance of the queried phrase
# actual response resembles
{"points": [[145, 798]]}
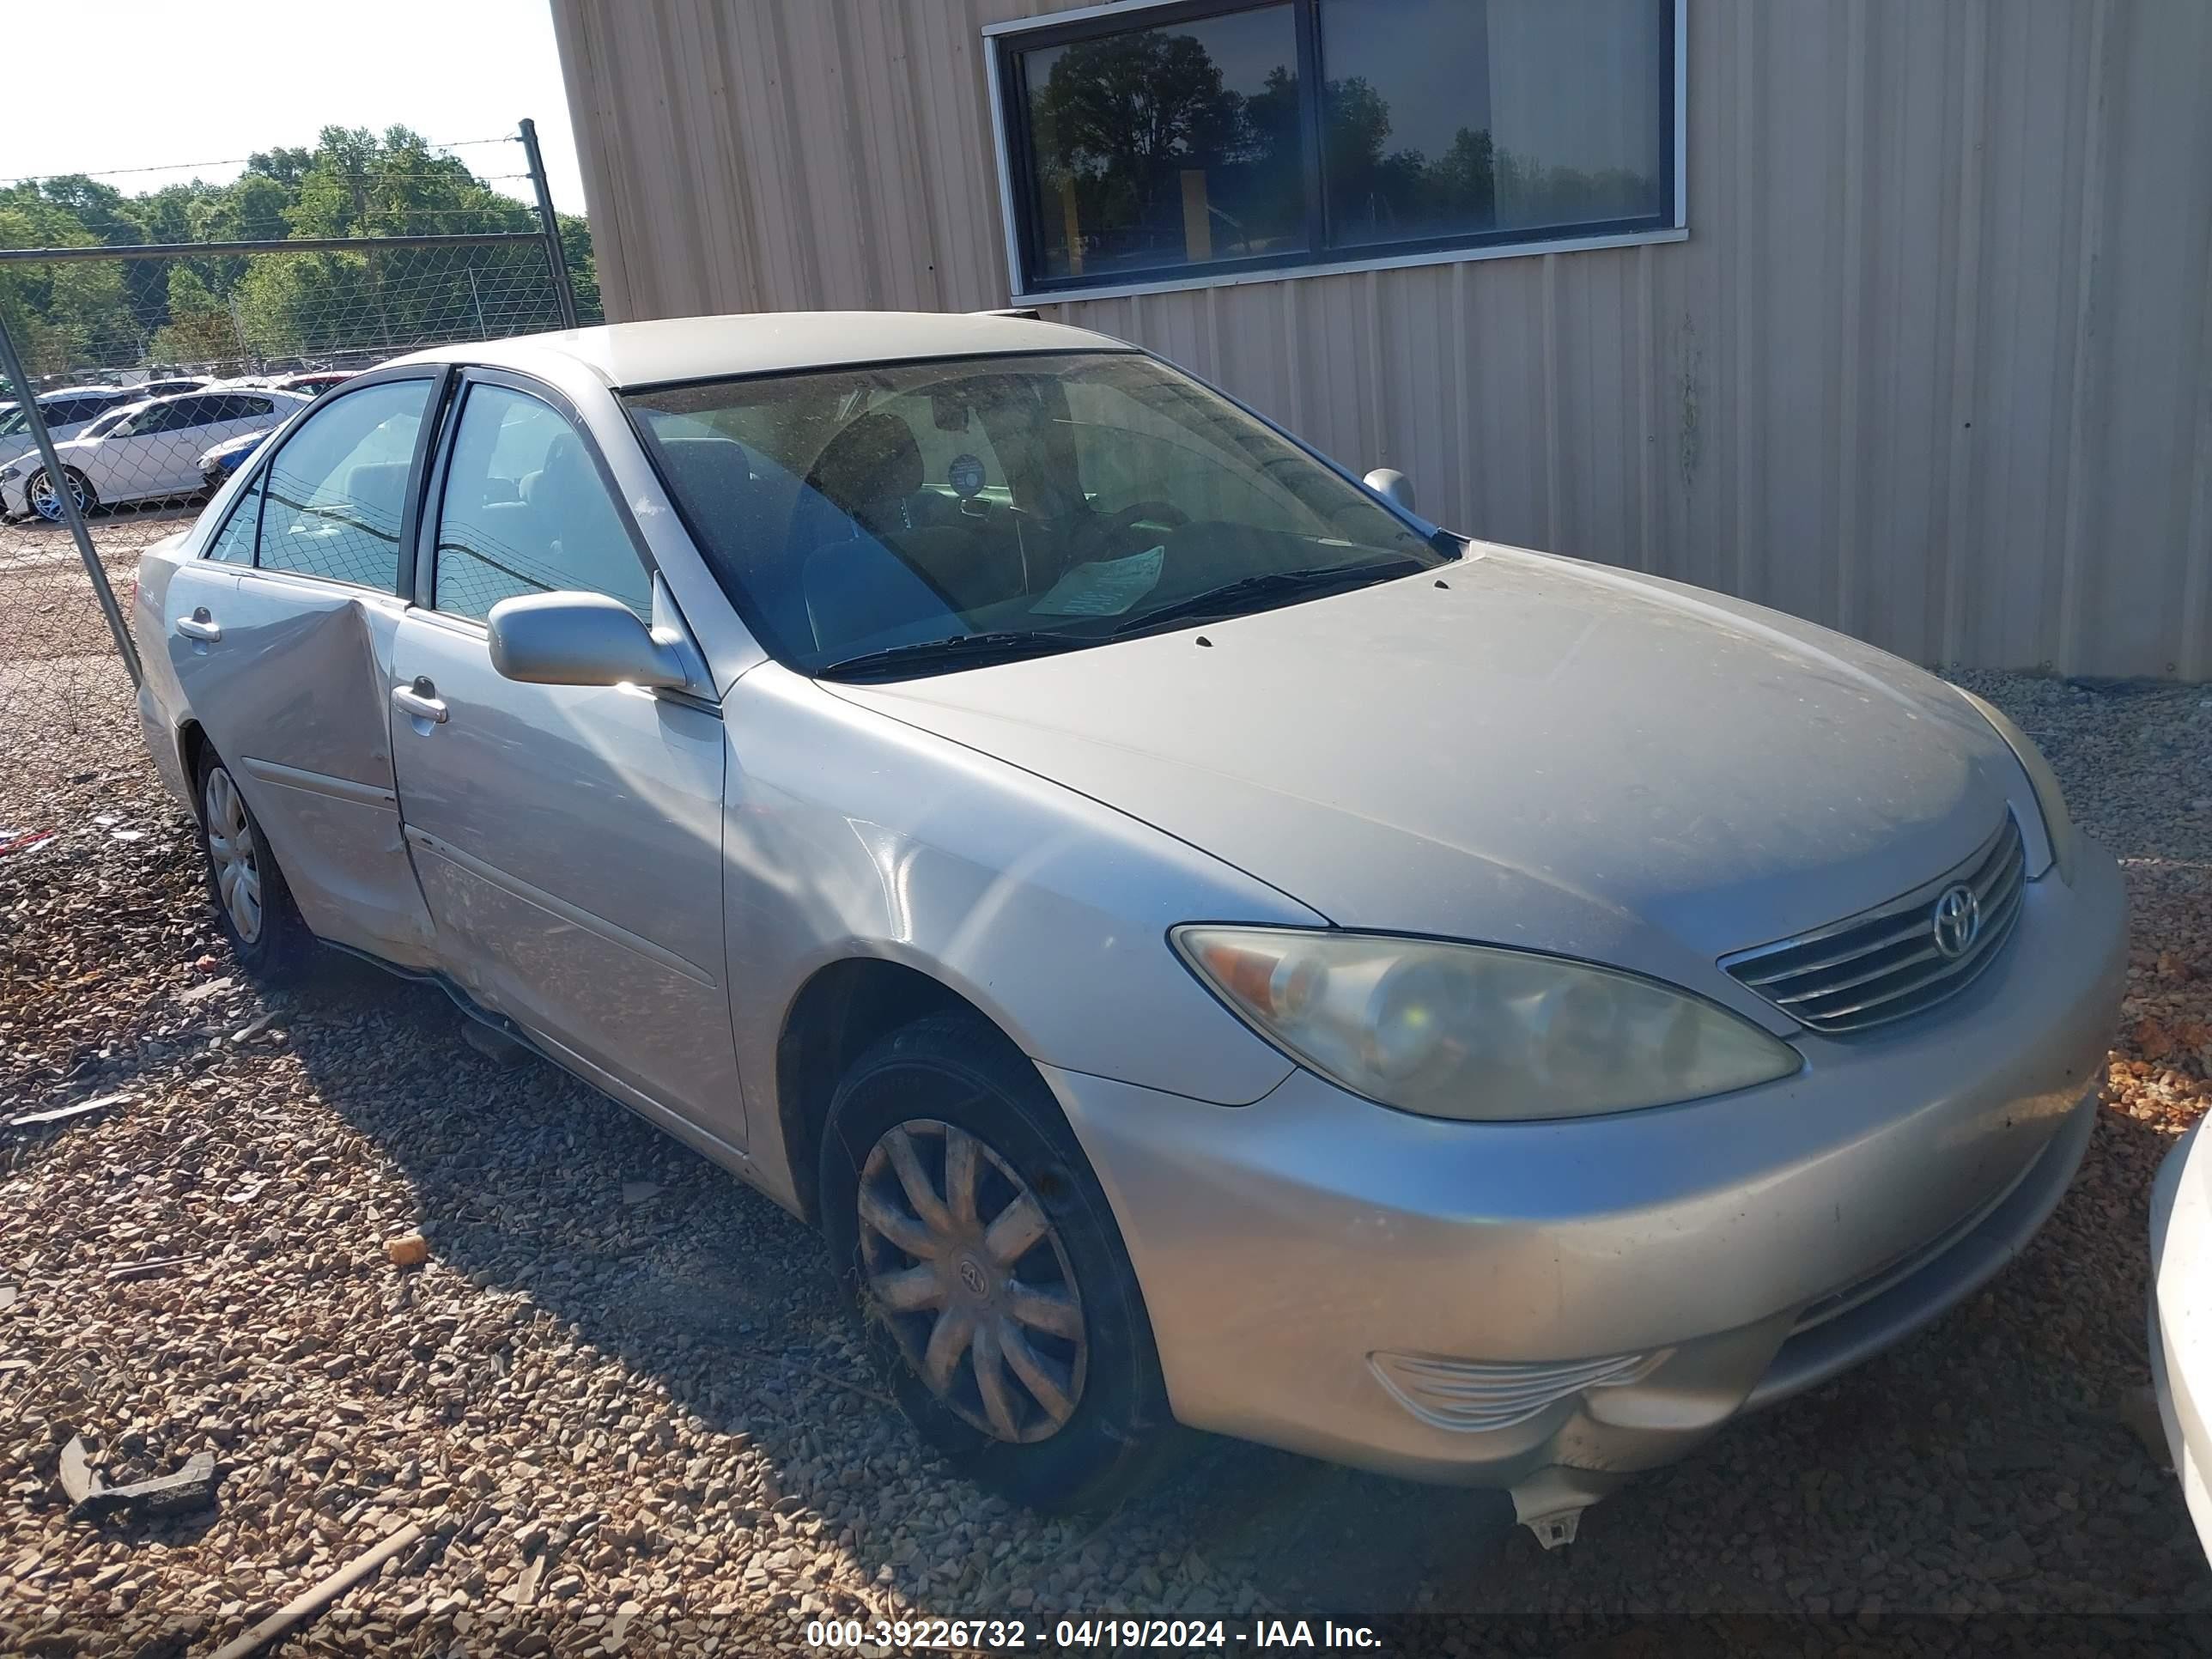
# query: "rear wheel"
{"points": [[252, 901], [45, 500], [987, 1267]]}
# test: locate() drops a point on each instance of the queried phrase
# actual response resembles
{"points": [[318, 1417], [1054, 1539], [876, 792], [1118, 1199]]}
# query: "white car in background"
{"points": [[2181, 1316], [145, 451], [68, 410]]}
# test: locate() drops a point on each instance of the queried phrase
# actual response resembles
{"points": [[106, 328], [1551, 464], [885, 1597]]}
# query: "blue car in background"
{"points": [[219, 463]]}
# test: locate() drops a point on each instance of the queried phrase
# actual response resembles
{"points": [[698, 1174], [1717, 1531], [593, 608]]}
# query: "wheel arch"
{"points": [[843, 1009], [191, 744]]}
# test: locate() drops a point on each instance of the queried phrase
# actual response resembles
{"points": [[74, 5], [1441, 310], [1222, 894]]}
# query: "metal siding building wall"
{"points": [[1931, 366]]}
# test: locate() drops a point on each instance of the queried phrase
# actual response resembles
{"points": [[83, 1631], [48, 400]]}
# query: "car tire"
{"points": [[45, 504], [252, 905], [1079, 1409]]}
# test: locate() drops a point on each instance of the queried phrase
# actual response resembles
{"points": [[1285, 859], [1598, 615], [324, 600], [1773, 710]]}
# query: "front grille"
{"points": [[1474, 1397], [1886, 963]]}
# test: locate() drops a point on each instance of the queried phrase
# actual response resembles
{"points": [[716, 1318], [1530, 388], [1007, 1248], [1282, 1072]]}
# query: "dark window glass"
{"points": [[338, 488], [1446, 118], [1148, 151], [524, 512], [1158, 147], [233, 543], [1058, 501], [188, 412]]}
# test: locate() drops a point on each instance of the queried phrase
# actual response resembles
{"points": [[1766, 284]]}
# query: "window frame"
{"points": [[440, 378], [1010, 139], [423, 566]]}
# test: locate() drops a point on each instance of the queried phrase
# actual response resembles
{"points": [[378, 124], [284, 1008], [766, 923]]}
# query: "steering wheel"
{"points": [[1094, 533]]}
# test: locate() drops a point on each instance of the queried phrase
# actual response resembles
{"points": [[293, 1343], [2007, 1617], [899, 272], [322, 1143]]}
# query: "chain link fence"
{"points": [[155, 368]]}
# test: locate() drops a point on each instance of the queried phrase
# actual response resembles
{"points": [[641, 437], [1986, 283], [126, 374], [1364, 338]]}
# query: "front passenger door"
{"points": [[569, 838]]}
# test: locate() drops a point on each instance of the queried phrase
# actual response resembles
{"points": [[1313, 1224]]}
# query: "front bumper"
{"points": [[1549, 1306]]}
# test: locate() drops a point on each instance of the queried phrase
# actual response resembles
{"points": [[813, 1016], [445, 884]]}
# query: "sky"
{"points": [[207, 86]]}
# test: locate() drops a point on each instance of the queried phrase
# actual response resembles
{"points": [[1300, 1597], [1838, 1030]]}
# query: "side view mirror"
{"points": [[579, 639], [1393, 485]]}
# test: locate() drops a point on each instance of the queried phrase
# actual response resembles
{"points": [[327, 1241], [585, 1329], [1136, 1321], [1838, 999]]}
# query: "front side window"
{"points": [[178, 415], [233, 543], [524, 512], [912, 517], [337, 490], [1309, 132]]}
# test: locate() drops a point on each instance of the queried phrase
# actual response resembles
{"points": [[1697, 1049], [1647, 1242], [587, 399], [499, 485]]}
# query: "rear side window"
{"points": [[525, 511], [337, 489]]}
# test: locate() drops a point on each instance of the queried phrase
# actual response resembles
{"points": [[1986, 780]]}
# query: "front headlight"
{"points": [[10, 472], [2050, 799], [1471, 1032]]}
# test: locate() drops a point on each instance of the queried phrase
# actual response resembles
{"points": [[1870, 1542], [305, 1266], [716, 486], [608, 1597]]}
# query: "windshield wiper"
{"points": [[1002, 645], [1232, 597]]}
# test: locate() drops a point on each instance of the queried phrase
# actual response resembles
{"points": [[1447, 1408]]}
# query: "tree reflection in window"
{"points": [[1154, 150], [1168, 146]]}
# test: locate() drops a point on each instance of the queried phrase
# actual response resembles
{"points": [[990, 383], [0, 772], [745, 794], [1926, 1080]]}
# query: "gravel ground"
{"points": [[619, 1398]]}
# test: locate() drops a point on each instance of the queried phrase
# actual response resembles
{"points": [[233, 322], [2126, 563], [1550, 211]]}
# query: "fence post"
{"points": [[564, 292], [58, 480]]}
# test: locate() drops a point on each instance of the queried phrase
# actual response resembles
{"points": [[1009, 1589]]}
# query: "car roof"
{"points": [[85, 392], [758, 342]]}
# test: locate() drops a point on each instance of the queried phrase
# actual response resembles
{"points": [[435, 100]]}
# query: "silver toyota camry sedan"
{"points": [[1204, 945]]}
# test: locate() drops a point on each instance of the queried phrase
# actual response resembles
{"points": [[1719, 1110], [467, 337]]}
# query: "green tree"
{"points": [[352, 182], [199, 329]]}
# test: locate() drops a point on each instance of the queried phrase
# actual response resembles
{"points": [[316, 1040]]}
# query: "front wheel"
{"points": [[45, 500], [987, 1269]]}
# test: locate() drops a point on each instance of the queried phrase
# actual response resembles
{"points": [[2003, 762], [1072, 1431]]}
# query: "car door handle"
{"points": [[199, 626], [420, 699]]}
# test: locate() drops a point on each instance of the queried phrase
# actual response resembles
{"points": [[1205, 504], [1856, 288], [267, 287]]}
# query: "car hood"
{"points": [[1519, 749]]}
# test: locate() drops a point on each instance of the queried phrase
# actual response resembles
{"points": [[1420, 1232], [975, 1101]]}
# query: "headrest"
{"points": [[873, 459]]}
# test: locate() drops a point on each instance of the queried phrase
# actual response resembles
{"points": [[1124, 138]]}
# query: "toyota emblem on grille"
{"points": [[1957, 918]]}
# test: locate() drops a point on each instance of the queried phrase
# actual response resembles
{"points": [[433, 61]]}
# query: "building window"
{"points": [[1176, 140]]}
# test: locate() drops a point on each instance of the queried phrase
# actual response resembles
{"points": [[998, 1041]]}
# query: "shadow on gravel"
{"points": [[712, 1290], [2044, 1498]]}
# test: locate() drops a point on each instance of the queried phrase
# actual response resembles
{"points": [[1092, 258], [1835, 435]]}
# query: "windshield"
{"points": [[1040, 503]]}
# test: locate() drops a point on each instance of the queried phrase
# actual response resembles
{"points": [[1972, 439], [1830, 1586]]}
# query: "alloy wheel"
{"points": [[45, 500], [231, 854], [963, 1264]]}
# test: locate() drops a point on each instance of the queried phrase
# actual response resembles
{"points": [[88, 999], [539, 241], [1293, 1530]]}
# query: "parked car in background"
{"points": [[148, 451], [1203, 943], [170, 387], [219, 463], [66, 413], [2181, 1317], [313, 380]]}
